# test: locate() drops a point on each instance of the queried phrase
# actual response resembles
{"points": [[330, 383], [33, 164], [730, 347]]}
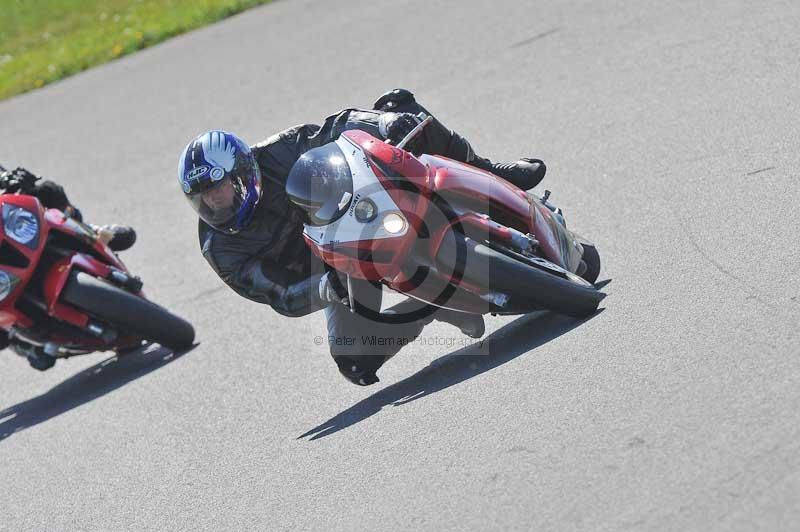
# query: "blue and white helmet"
{"points": [[221, 180]]}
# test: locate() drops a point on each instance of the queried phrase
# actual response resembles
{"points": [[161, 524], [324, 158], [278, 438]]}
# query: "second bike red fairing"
{"points": [[64, 292]]}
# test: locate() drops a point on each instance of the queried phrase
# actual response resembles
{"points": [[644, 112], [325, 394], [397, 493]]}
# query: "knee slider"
{"points": [[393, 99], [355, 373]]}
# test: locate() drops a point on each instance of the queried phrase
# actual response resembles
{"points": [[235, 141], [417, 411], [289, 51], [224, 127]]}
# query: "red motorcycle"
{"points": [[63, 292], [440, 231]]}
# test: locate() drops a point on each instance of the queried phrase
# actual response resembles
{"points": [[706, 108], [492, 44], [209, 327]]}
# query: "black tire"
{"points": [[127, 312], [592, 259], [526, 285]]}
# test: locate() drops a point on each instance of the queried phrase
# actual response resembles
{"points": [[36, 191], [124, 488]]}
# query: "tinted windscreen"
{"points": [[320, 183]]}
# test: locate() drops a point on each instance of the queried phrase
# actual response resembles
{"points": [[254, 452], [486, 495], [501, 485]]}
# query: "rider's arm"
{"points": [[382, 125], [278, 153], [51, 194], [251, 277], [293, 299], [344, 120]]}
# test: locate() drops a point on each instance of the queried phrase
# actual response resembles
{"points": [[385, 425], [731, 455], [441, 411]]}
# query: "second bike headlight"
{"points": [[7, 284], [365, 211], [394, 223], [21, 225]]}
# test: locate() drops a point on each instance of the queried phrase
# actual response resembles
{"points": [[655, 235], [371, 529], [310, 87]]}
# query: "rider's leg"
{"points": [[470, 324], [361, 345], [437, 139]]}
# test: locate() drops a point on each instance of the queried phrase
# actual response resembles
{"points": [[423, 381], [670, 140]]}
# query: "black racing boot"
{"points": [[470, 324], [525, 173], [124, 236]]}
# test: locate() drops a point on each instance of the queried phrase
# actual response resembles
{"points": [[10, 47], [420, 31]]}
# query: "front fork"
{"points": [[555, 254], [481, 226], [57, 277]]}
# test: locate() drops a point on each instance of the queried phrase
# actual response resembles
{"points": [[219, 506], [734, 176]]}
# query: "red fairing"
{"points": [[371, 260], [386, 159], [481, 192], [470, 187], [408, 183], [397, 160], [21, 262], [438, 196], [355, 258], [9, 315], [59, 222], [549, 241], [58, 275]]}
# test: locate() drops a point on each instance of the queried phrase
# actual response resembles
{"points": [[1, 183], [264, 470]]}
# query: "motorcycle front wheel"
{"points": [[527, 281], [592, 260]]}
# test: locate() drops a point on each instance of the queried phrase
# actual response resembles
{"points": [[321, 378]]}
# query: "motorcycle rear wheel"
{"points": [[524, 283], [126, 311]]}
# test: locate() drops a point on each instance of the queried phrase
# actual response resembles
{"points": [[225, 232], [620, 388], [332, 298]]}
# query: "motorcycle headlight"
{"points": [[21, 225], [394, 223], [7, 284]]}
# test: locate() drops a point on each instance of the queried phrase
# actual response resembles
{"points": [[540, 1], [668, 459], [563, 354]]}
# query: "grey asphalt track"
{"points": [[671, 135]]}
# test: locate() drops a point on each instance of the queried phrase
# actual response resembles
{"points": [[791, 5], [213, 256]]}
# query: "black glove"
{"points": [[395, 126], [19, 180], [51, 194]]}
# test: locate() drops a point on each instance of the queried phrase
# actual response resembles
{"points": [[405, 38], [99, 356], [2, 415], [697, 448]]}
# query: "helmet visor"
{"points": [[218, 205]]}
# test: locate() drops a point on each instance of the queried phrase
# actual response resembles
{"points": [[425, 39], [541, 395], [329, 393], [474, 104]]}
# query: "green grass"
{"points": [[45, 40]]}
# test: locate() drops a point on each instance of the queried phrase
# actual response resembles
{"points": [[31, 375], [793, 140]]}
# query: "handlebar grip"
{"points": [[414, 132]]}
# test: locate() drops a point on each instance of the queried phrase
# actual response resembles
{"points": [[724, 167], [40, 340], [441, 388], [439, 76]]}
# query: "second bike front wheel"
{"points": [[126, 311]]}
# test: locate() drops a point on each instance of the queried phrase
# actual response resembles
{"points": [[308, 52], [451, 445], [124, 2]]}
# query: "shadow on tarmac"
{"points": [[517, 338], [89, 384]]}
